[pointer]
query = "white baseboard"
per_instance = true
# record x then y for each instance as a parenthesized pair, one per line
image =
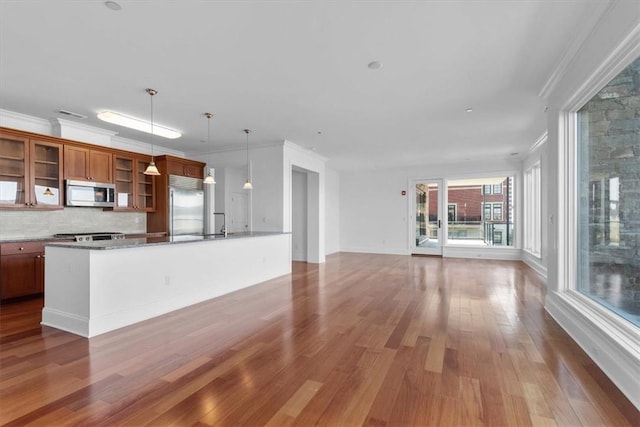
(65, 321)
(505, 254)
(383, 251)
(535, 264)
(616, 352)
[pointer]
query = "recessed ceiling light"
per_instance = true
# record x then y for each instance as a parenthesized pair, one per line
(138, 124)
(374, 65)
(112, 5)
(469, 110)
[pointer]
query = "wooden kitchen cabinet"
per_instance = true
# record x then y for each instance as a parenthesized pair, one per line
(134, 189)
(158, 220)
(183, 167)
(30, 172)
(21, 269)
(87, 164)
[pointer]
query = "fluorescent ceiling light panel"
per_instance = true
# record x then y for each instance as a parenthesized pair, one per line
(137, 124)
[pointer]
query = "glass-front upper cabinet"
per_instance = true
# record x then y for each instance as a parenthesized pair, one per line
(134, 189)
(145, 190)
(30, 173)
(46, 174)
(123, 176)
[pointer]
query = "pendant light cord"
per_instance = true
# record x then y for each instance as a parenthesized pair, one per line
(151, 92)
(247, 132)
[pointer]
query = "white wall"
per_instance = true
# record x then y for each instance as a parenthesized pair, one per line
(539, 153)
(374, 213)
(332, 211)
(612, 344)
(265, 170)
(297, 157)
(299, 216)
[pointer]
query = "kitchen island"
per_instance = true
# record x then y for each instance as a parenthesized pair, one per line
(96, 287)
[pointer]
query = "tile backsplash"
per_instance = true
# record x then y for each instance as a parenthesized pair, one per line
(32, 223)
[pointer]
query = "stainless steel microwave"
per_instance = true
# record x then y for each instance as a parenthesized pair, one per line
(89, 193)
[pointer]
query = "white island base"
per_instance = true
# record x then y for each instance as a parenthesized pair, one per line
(93, 288)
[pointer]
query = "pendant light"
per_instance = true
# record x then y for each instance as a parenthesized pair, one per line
(47, 192)
(151, 169)
(209, 178)
(247, 185)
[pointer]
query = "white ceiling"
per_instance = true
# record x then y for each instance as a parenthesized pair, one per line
(297, 70)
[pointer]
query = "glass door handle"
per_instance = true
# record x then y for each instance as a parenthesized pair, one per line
(439, 225)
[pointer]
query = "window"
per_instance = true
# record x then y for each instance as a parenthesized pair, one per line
(484, 209)
(451, 213)
(497, 211)
(532, 210)
(487, 211)
(608, 200)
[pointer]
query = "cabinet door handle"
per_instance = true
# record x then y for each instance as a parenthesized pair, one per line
(21, 249)
(38, 256)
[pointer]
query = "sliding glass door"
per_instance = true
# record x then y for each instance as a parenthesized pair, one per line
(426, 227)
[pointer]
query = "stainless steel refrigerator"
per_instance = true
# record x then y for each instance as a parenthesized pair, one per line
(186, 206)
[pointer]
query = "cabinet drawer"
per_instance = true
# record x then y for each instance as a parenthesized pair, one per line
(21, 248)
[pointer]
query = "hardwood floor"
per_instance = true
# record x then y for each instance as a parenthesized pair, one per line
(361, 340)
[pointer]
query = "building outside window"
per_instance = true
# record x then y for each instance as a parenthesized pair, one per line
(497, 211)
(451, 213)
(608, 193)
(485, 211)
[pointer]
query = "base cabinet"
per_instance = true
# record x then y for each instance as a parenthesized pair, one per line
(21, 269)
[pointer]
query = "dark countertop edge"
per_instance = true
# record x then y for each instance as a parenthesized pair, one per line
(66, 239)
(142, 242)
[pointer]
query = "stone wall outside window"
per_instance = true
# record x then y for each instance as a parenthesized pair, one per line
(609, 191)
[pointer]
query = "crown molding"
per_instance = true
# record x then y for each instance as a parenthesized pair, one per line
(143, 147)
(58, 122)
(23, 118)
(539, 142)
(601, 10)
(612, 65)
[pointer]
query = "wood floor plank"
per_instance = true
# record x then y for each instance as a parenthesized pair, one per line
(364, 339)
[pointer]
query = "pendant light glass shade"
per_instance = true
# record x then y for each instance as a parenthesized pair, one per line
(151, 169)
(247, 185)
(209, 178)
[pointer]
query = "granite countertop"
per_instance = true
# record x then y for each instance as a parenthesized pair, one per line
(164, 240)
(35, 239)
(67, 239)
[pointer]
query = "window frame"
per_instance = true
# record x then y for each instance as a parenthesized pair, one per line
(623, 332)
(496, 207)
(532, 199)
(487, 206)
